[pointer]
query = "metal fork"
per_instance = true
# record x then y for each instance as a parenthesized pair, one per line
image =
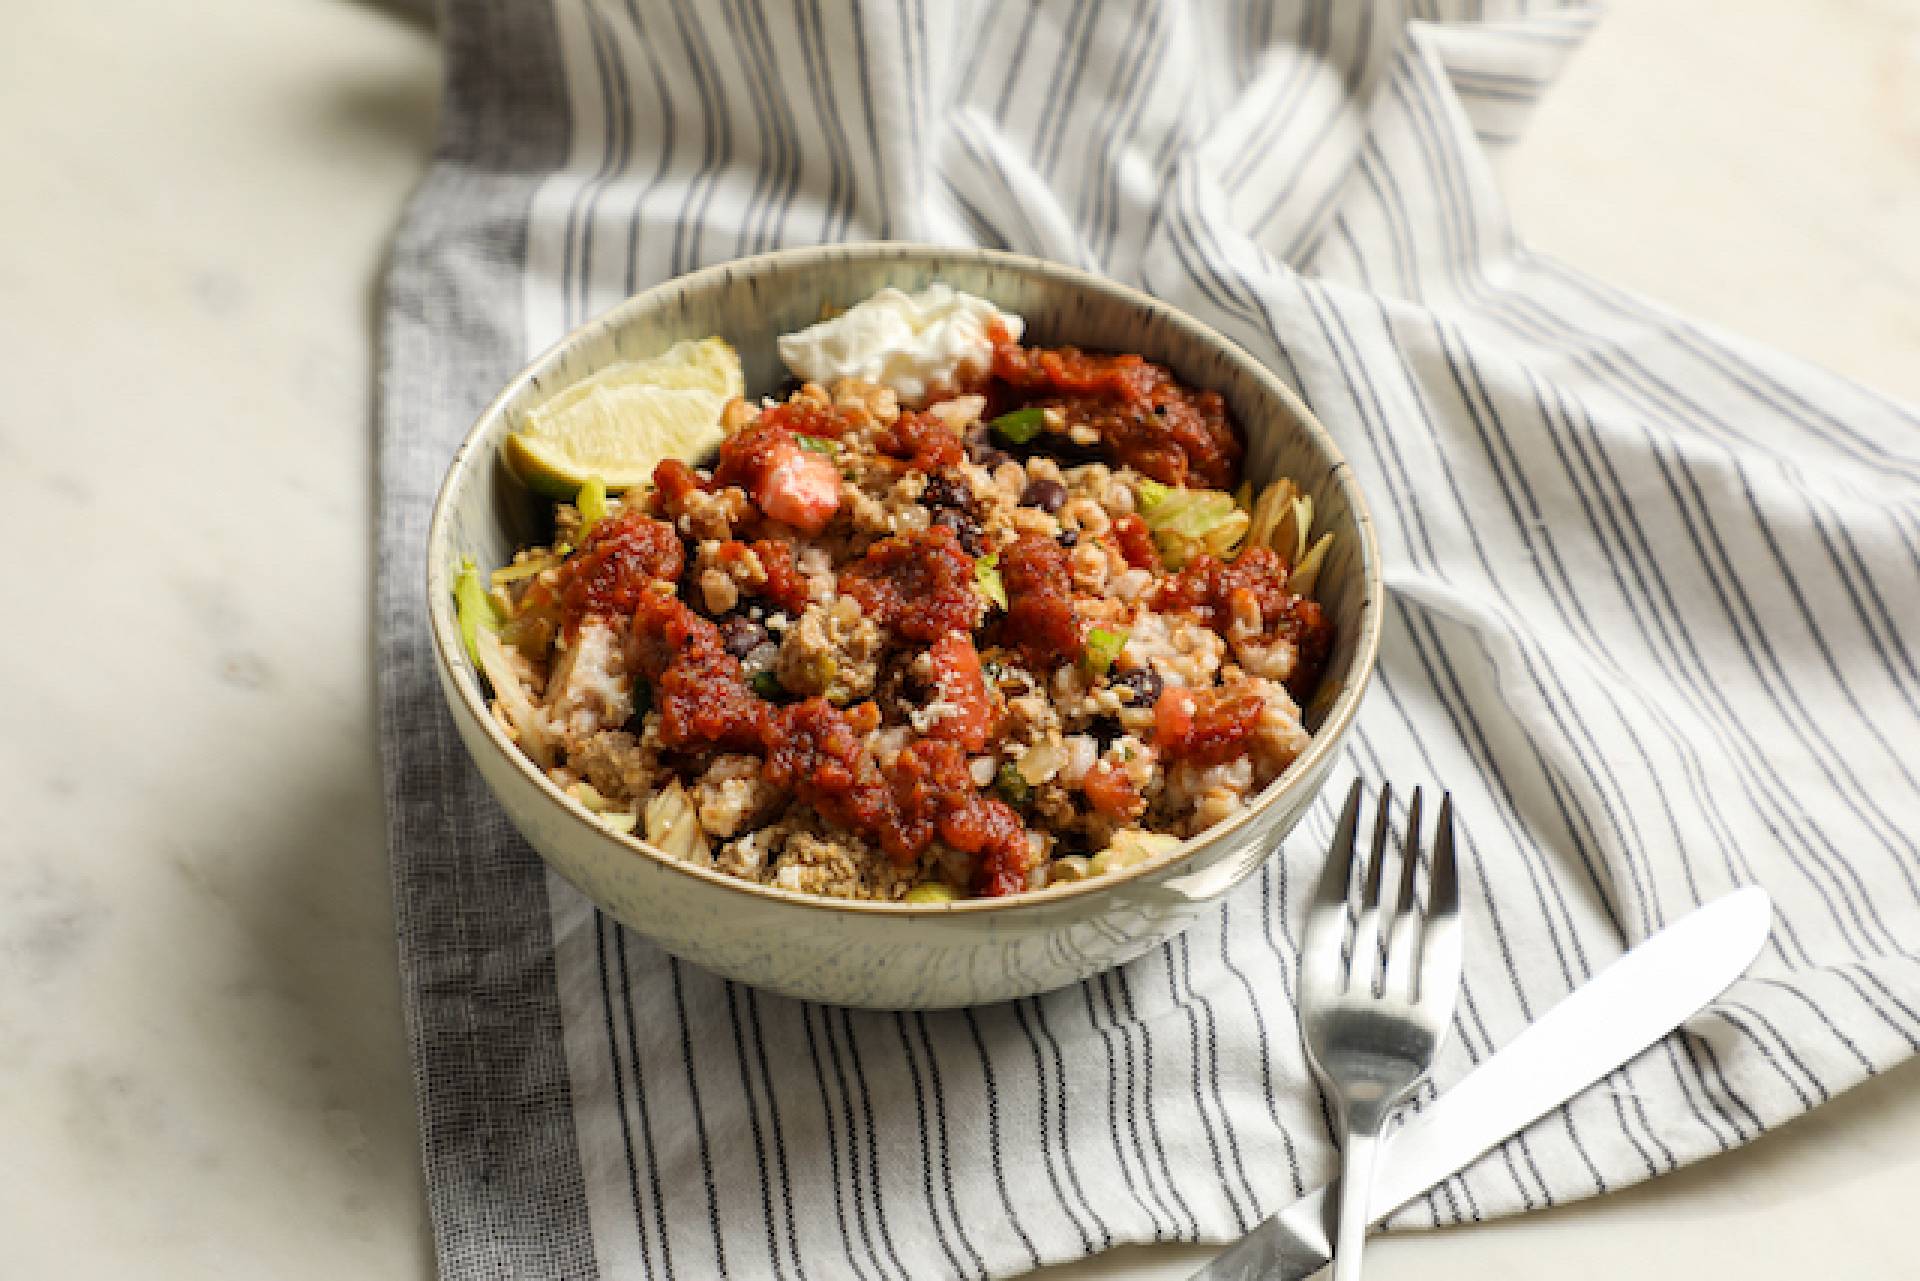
(1374, 1014)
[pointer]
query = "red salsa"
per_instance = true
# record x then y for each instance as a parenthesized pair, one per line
(814, 749)
(1040, 620)
(1145, 416)
(698, 687)
(1206, 726)
(1212, 590)
(918, 585)
(623, 556)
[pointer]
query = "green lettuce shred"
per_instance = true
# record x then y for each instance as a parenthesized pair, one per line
(1103, 648)
(986, 575)
(472, 606)
(592, 502)
(1185, 522)
(1189, 512)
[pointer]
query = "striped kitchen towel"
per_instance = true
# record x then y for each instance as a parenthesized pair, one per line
(1652, 619)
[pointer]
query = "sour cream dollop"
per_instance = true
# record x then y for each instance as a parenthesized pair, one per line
(918, 344)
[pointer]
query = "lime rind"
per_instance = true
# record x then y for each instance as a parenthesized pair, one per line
(622, 421)
(695, 364)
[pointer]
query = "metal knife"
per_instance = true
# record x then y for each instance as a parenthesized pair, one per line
(1618, 1013)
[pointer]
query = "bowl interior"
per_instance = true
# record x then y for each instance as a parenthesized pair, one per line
(482, 513)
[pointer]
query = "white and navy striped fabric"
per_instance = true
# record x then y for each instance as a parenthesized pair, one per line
(1652, 619)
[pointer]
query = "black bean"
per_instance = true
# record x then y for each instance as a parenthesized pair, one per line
(1069, 843)
(1145, 683)
(1069, 538)
(1048, 495)
(964, 527)
(981, 450)
(944, 491)
(742, 636)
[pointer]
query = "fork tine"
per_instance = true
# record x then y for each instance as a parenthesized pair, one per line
(1365, 965)
(1439, 973)
(1327, 917)
(1403, 934)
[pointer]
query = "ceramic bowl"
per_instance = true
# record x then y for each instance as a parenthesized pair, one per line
(885, 954)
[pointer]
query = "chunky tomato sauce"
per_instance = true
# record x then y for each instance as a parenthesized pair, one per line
(623, 556)
(962, 688)
(673, 483)
(1111, 792)
(813, 749)
(792, 485)
(1212, 590)
(807, 418)
(1144, 415)
(816, 750)
(919, 585)
(922, 441)
(1206, 726)
(1040, 621)
(1136, 543)
(698, 687)
(786, 586)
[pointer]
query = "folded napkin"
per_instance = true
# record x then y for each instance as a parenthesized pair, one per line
(1652, 619)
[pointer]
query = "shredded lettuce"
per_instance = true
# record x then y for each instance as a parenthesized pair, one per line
(1191, 512)
(1306, 575)
(592, 502)
(528, 722)
(1103, 648)
(674, 827)
(472, 607)
(590, 796)
(1269, 506)
(986, 575)
(1302, 528)
(1186, 522)
(528, 568)
(818, 444)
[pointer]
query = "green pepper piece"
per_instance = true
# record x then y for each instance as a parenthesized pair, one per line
(1103, 647)
(818, 444)
(1020, 426)
(767, 685)
(1011, 785)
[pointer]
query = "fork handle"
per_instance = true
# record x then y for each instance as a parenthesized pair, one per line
(1356, 1188)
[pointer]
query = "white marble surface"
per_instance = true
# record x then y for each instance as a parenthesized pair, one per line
(202, 1072)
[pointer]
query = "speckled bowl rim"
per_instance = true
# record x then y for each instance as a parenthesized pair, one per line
(1326, 739)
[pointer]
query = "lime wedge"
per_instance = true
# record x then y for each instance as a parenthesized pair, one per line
(621, 421)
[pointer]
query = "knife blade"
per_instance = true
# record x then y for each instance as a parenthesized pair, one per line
(1621, 1011)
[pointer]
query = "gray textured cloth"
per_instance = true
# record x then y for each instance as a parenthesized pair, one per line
(1651, 595)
